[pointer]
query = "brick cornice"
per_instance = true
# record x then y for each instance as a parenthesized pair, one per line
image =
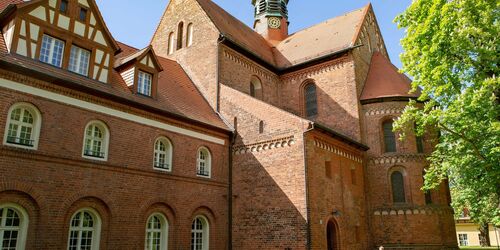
(397, 158)
(337, 150)
(389, 110)
(255, 68)
(412, 210)
(316, 69)
(264, 145)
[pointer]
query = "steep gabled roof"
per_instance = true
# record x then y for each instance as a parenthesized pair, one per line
(385, 81)
(177, 96)
(121, 61)
(334, 35)
(238, 32)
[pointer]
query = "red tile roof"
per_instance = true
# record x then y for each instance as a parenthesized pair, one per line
(238, 32)
(177, 95)
(322, 39)
(5, 3)
(384, 81)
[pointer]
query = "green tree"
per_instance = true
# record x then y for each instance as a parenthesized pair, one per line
(452, 51)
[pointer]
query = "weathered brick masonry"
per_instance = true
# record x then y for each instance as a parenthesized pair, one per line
(292, 124)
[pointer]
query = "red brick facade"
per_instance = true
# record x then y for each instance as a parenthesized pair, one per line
(278, 179)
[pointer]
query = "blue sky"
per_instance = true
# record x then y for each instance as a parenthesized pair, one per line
(134, 21)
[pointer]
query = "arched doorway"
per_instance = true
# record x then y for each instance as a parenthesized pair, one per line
(332, 235)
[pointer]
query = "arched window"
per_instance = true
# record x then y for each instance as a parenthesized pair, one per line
(180, 34)
(389, 137)
(85, 230)
(189, 35)
(398, 187)
(156, 233)
(96, 141)
(13, 227)
(170, 43)
(310, 100)
(163, 154)
(199, 234)
(256, 87)
(23, 126)
(204, 163)
(427, 193)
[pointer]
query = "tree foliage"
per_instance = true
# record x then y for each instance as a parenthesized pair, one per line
(452, 52)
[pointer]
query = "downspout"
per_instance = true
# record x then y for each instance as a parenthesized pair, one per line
(230, 193)
(308, 212)
(221, 39)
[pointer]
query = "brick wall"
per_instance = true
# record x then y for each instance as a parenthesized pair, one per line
(336, 192)
(202, 72)
(269, 209)
(54, 181)
(414, 222)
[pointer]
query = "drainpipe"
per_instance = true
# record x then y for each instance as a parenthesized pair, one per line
(308, 212)
(221, 39)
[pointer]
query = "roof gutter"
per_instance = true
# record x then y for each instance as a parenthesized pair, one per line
(341, 137)
(283, 70)
(46, 76)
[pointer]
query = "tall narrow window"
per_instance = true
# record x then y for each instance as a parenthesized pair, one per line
(256, 87)
(180, 34)
(63, 6)
(13, 228)
(23, 126)
(427, 193)
(420, 144)
(189, 34)
(84, 231)
(261, 127)
(398, 188)
(83, 14)
(144, 83)
(156, 233)
(79, 60)
(171, 47)
(163, 154)
(389, 137)
(199, 234)
(311, 100)
(204, 162)
(52, 51)
(96, 141)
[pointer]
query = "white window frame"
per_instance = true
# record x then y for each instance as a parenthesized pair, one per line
(105, 141)
(23, 225)
(51, 55)
(167, 153)
(207, 163)
(205, 233)
(142, 79)
(463, 240)
(37, 123)
(77, 64)
(163, 232)
(96, 230)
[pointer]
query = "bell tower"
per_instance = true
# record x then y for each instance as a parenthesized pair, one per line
(271, 19)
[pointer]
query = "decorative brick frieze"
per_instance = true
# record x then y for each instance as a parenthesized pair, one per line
(384, 111)
(252, 66)
(395, 159)
(336, 150)
(427, 210)
(265, 145)
(310, 72)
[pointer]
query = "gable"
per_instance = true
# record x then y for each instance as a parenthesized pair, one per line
(368, 33)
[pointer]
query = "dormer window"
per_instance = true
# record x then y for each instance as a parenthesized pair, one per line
(52, 51)
(144, 83)
(79, 60)
(63, 7)
(83, 14)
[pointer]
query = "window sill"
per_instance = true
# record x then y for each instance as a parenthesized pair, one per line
(95, 158)
(162, 170)
(15, 145)
(204, 176)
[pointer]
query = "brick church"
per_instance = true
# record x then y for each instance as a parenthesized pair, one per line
(215, 136)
